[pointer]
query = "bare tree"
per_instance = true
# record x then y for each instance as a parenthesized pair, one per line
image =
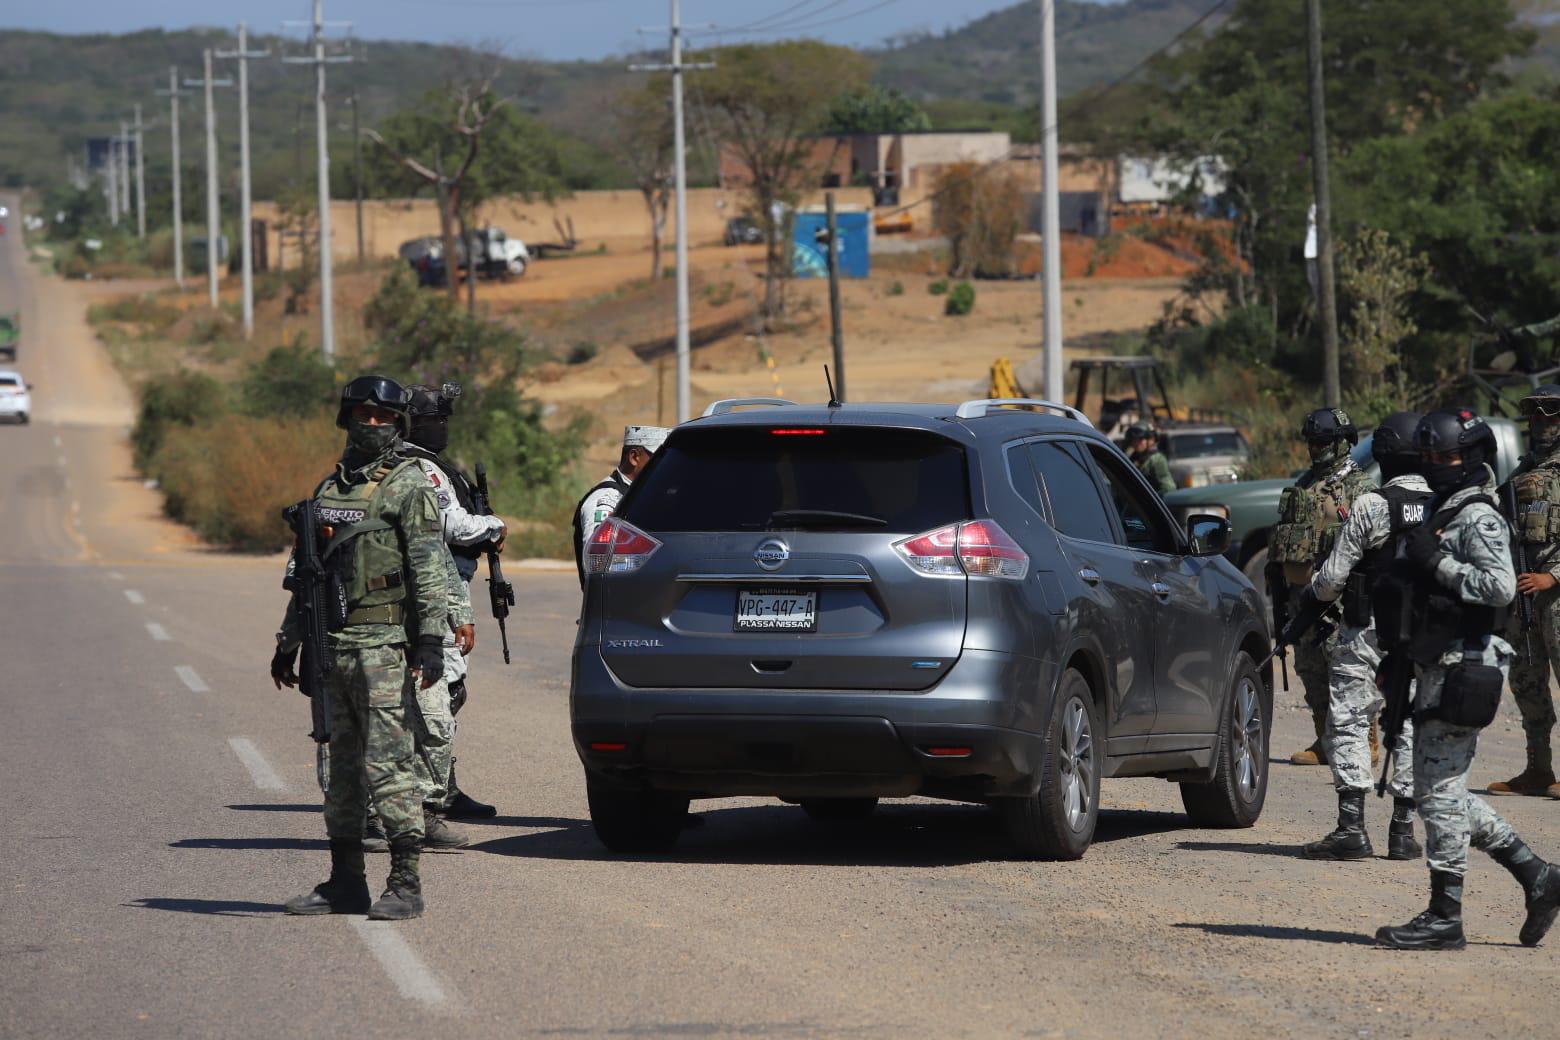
(639, 136)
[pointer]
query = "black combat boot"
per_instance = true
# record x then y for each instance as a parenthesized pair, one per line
(374, 839)
(465, 807)
(1437, 928)
(1400, 835)
(1540, 883)
(439, 836)
(402, 897)
(1349, 840)
(347, 890)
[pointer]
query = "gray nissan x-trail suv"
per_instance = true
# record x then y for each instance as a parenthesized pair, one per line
(832, 605)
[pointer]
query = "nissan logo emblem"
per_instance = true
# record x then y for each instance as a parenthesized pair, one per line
(771, 554)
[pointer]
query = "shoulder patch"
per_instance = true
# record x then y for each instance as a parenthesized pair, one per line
(433, 475)
(444, 499)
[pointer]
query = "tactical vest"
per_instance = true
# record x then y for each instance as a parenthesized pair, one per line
(1538, 505)
(1406, 510)
(613, 481)
(1309, 515)
(363, 551)
(466, 556)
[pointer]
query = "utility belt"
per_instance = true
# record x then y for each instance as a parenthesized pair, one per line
(342, 613)
(384, 614)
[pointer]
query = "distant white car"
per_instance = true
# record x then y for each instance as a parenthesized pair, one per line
(15, 399)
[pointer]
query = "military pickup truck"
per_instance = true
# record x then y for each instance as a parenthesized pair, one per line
(10, 335)
(1251, 506)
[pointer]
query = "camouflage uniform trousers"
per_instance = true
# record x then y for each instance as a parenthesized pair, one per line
(1355, 704)
(373, 752)
(1530, 673)
(1443, 755)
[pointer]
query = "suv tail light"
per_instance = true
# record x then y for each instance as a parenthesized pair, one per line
(616, 547)
(977, 547)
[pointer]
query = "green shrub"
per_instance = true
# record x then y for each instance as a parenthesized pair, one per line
(897, 288)
(178, 399)
(143, 310)
(938, 287)
(961, 300)
(288, 381)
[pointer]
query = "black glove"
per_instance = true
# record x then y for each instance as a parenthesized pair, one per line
(1422, 548)
(429, 659)
(284, 666)
(457, 696)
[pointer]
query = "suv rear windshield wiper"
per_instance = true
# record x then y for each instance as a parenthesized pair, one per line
(824, 518)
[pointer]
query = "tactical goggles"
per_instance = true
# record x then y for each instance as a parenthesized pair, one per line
(1548, 407)
(376, 390)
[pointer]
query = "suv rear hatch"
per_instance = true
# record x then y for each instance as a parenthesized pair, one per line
(777, 566)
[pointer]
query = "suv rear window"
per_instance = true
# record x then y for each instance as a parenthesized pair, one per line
(1195, 445)
(737, 478)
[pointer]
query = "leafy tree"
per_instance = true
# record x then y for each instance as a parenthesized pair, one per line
(875, 109)
(766, 102)
(640, 138)
(1377, 278)
(980, 212)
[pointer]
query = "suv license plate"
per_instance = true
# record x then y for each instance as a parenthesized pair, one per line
(776, 611)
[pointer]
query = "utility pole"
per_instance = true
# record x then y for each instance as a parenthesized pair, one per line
(113, 181)
(680, 166)
(357, 172)
(245, 221)
(124, 168)
(319, 61)
(174, 93)
(1050, 207)
(213, 206)
(1326, 300)
(140, 178)
(837, 334)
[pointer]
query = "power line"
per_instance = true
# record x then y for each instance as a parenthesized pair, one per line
(784, 12)
(801, 24)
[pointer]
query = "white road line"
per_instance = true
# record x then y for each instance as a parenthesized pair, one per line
(57, 442)
(192, 679)
(260, 770)
(134, 597)
(116, 575)
(60, 459)
(157, 632)
(400, 962)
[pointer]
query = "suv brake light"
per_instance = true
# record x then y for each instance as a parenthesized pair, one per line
(616, 547)
(976, 547)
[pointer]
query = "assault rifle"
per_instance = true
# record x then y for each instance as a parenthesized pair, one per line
(309, 585)
(1520, 558)
(1395, 680)
(1297, 626)
(500, 592)
(1278, 596)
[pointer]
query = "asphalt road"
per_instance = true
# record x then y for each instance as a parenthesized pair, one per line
(161, 804)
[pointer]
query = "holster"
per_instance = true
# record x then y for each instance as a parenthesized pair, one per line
(1356, 601)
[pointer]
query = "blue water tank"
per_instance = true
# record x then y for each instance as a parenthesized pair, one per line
(808, 259)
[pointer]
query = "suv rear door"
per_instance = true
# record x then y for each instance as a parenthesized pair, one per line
(825, 504)
(1113, 602)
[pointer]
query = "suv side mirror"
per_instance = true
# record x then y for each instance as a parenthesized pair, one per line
(1209, 535)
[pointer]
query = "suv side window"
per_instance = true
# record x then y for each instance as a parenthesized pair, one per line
(1069, 487)
(1145, 527)
(1022, 474)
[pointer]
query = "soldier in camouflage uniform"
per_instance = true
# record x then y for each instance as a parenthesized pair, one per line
(1537, 488)
(383, 549)
(1147, 457)
(1462, 578)
(1359, 558)
(1309, 516)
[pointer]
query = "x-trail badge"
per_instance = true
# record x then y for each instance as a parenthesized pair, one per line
(771, 554)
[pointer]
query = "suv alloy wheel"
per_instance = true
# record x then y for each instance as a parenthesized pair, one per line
(1058, 821)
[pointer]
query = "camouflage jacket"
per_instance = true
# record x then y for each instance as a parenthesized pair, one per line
(1367, 528)
(1537, 523)
(1156, 468)
(1310, 513)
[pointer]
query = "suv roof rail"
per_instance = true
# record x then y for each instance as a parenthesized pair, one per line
(733, 403)
(976, 409)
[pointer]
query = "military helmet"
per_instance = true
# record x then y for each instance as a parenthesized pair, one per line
(1459, 430)
(381, 391)
(1543, 401)
(424, 401)
(1139, 432)
(1329, 425)
(1394, 438)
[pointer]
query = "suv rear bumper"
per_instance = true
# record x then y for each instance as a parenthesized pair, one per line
(812, 743)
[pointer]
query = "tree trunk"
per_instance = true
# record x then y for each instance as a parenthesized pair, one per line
(447, 233)
(657, 228)
(471, 267)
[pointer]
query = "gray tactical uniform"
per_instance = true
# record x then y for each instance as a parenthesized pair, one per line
(1355, 701)
(1478, 569)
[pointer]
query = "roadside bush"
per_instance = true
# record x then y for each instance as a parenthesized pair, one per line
(961, 300)
(980, 211)
(897, 288)
(175, 400)
(288, 381)
(143, 310)
(939, 287)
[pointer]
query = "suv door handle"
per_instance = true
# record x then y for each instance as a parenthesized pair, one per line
(1161, 590)
(1089, 575)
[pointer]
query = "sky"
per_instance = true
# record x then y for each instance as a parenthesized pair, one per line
(551, 29)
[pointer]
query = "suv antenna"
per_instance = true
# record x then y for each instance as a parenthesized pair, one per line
(834, 399)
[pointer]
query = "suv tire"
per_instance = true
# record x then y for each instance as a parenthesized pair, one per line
(1234, 797)
(635, 819)
(838, 810)
(1058, 821)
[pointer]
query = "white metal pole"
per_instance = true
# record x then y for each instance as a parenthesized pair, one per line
(1050, 208)
(113, 181)
(684, 388)
(140, 178)
(178, 160)
(124, 168)
(213, 211)
(245, 236)
(327, 323)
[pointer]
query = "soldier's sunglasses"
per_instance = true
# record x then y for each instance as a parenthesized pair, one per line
(1548, 407)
